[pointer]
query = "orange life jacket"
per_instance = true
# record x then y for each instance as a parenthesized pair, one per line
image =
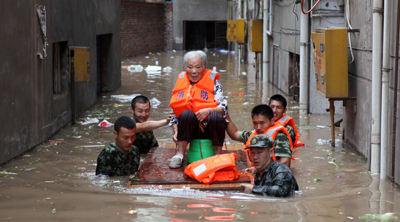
(285, 119)
(272, 131)
(215, 168)
(194, 97)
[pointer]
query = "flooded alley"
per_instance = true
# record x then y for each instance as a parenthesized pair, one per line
(56, 180)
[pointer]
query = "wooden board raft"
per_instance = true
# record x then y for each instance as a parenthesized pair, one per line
(155, 173)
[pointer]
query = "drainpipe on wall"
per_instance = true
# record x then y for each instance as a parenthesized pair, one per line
(238, 45)
(396, 76)
(376, 83)
(266, 33)
(385, 91)
(304, 32)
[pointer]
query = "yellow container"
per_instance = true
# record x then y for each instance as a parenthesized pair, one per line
(240, 31)
(231, 31)
(330, 60)
(256, 35)
(81, 64)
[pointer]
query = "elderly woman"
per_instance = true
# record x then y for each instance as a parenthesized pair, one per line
(199, 105)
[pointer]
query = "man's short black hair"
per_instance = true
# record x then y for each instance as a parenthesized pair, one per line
(125, 122)
(279, 98)
(264, 110)
(139, 99)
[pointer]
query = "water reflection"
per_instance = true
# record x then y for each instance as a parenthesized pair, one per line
(56, 180)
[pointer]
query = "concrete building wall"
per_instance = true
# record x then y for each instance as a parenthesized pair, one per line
(357, 118)
(195, 10)
(358, 113)
(31, 111)
(285, 37)
(144, 27)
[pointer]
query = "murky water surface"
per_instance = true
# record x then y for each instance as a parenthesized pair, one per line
(56, 181)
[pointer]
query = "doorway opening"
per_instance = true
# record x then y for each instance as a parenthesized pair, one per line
(200, 35)
(104, 61)
(294, 76)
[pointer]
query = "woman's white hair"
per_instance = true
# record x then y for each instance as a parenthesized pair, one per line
(193, 54)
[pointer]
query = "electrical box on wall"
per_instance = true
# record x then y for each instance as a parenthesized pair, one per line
(231, 31)
(81, 63)
(330, 59)
(240, 31)
(255, 35)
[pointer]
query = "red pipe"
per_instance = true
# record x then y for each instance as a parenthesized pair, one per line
(312, 8)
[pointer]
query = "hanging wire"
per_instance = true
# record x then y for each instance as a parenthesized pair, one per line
(294, 12)
(348, 34)
(312, 8)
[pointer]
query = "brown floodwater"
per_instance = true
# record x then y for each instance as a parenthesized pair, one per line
(56, 180)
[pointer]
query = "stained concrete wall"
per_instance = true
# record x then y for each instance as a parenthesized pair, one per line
(30, 112)
(358, 113)
(286, 37)
(195, 10)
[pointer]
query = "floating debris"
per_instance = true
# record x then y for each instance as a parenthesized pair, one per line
(118, 105)
(153, 70)
(90, 121)
(105, 123)
(29, 169)
(34, 161)
(381, 217)
(132, 212)
(155, 102)
(167, 69)
(135, 68)
(124, 98)
(55, 142)
(334, 163)
(5, 172)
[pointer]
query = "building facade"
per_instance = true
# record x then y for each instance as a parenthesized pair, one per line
(35, 64)
(357, 17)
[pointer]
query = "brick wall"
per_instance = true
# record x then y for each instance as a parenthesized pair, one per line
(168, 27)
(143, 27)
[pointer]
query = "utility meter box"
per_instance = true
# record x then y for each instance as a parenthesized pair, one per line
(81, 64)
(231, 31)
(330, 60)
(240, 31)
(256, 35)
